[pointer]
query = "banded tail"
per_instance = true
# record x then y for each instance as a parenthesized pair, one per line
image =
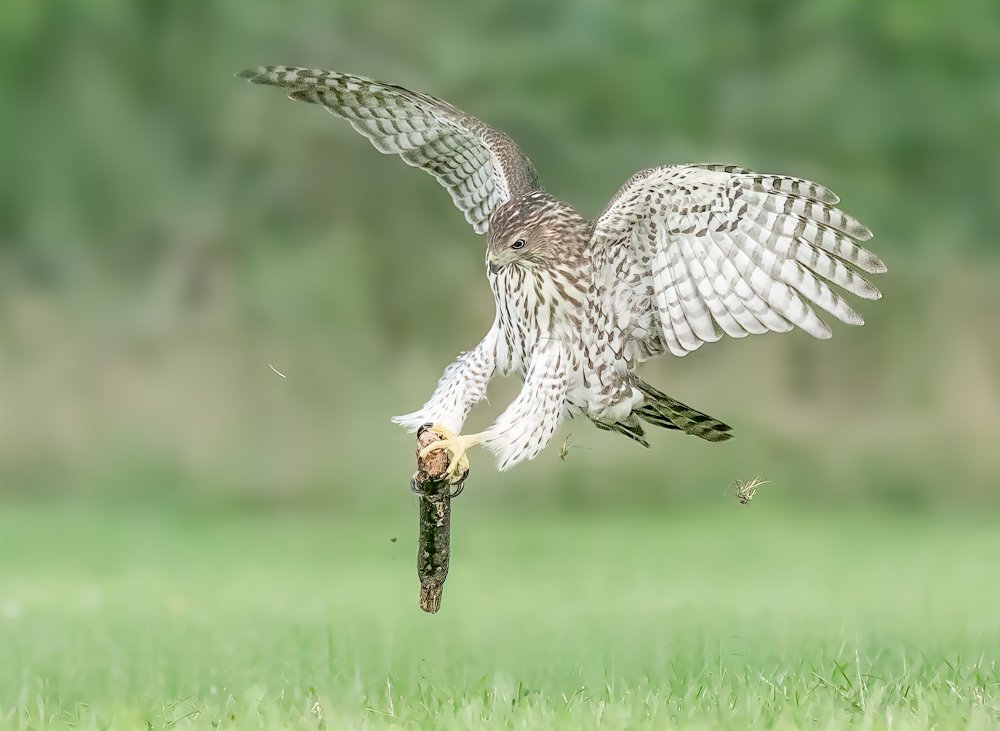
(669, 413)
(630, 427)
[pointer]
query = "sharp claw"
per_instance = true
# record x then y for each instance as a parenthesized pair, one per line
(434, 446)
(457, 469)
(456, 446)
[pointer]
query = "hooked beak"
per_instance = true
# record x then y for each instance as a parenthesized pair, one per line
(491, 262)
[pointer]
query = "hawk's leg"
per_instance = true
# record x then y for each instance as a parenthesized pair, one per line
(460, 388)
(456, 445)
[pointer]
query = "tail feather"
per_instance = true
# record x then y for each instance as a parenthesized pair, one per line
(630, 427)
(654, 417)
(669, 413)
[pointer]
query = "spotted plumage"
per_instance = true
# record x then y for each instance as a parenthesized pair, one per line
(682, 255)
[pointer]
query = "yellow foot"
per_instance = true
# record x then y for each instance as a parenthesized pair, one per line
(456, 446)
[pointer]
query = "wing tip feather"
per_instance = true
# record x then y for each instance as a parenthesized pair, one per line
(306, 94)
(869, 293)
(258, 74)
(860, 232)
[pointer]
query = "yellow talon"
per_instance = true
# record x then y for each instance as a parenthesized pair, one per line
(456, 445)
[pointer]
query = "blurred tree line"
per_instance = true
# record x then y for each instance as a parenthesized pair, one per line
(166, 232)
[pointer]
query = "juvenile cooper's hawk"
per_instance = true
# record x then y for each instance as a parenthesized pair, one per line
(682, 255)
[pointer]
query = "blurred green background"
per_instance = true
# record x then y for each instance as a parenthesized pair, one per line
(167, 232)
(189, 540)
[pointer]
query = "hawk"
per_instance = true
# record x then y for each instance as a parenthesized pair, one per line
(682, 255)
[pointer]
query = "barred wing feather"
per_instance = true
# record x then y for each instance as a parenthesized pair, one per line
(480, 167)
(691, 252)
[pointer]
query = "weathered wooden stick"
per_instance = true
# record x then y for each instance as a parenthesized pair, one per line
(434, 540)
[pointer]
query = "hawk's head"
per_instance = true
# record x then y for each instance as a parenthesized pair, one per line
(534, 230)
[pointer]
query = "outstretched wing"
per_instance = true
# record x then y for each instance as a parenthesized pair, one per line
(688, 253)
(480, 167)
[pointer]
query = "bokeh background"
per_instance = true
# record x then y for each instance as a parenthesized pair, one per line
(168, 232)
(190, 540)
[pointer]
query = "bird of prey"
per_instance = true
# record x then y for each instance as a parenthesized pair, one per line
(682, 255)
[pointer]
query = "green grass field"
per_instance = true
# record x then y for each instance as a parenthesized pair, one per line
(726, 618)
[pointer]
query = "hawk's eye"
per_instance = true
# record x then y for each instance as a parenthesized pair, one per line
(519, 244)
